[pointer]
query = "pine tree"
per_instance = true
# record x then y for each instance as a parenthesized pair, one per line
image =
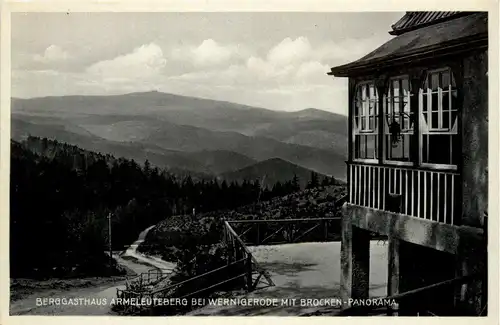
(295, 183)
(314, 182)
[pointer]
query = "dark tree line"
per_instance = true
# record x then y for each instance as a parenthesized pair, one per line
(60, 196)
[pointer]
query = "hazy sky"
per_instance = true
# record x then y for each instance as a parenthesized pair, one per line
(272, 60)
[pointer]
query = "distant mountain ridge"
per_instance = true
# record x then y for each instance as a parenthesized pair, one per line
(184, 132)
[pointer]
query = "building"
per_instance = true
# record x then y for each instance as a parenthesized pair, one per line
(418, 162)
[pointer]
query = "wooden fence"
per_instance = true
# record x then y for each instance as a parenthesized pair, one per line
(241, 272)
(426, 194)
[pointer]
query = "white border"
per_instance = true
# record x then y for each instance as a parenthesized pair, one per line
(245, 6)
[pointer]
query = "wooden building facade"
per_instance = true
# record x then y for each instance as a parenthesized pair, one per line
(418, 156)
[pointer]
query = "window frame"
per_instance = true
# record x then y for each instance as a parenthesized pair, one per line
(362, 131)
(385, 108)
(439, 130)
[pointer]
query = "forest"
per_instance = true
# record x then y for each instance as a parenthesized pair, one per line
(61, 196)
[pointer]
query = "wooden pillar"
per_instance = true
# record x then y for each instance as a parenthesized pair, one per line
(393, 271)
(393, 260)
(393, 267)
(381, 85)
(249, 273)
(355, 261)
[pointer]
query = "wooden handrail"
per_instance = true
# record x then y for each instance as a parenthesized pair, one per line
(247, 251)
(282, 220)
(235, 235)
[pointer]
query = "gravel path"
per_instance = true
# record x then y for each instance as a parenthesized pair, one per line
(98, 296)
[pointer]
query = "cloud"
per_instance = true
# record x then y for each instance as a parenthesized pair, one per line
(143, 62)
(53, 53)
(289, 51)
(290, 74)
(208, 53)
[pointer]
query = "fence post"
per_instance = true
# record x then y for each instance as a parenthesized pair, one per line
(258, 234)
(229, 247)
(325, 225)
(393, 310)
(249, 272)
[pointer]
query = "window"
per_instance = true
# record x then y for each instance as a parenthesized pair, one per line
(439, 119)
(398, 121)
(365, 125)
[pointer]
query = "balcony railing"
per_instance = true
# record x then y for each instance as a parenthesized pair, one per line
(426, 194)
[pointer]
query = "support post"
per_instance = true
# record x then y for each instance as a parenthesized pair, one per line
(249, 273)
(393, 272)
(109, 237)
(355, 261)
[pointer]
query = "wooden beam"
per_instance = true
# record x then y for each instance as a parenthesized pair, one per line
(282, 220)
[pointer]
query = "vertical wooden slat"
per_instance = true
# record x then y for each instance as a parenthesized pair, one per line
(383, 189)
(412, 193)
(369, 185)
(419, 202)
(432, 196)
(425, 196)
(445, 198)
(360, 188)
(361, 184)
(452, 215)
(379, 187)
(374, 184)
(350, 183)
(393, 174)
(406, 191)
(400, 182)
(365, 194)
(355, 189)
(438, 215)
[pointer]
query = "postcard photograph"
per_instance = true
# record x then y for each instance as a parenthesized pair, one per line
(249, 163)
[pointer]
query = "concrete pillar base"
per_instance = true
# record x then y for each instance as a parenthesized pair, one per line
(355, 262)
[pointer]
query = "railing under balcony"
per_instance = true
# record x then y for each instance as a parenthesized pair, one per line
(427, 194)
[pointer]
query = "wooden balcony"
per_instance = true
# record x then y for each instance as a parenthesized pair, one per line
(422, 193)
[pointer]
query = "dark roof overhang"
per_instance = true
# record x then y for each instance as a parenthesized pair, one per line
(417, 19)
(451, 37)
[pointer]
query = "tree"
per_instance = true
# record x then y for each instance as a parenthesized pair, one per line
(314, 182)
(295, 183)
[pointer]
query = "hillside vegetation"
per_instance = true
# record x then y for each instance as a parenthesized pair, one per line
(171, 237)
(61, 195)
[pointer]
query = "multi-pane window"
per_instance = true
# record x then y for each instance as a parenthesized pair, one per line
(398, 121)
(439, 119)
(365, 124)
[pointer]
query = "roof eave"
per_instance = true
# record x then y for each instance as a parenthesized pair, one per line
(397, 32)
(439, 50)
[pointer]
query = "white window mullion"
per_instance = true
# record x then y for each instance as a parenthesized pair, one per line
(440, 107)
(429, 107)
